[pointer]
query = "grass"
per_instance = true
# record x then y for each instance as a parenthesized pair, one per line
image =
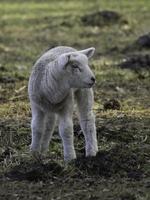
(121, 169)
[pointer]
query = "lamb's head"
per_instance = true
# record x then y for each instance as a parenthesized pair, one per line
(76, 69)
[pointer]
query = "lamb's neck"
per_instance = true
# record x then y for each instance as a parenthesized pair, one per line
(56, 87)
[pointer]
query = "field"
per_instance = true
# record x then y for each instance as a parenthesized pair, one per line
(119, 30)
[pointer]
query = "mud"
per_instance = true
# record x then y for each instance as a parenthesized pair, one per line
(103, 18)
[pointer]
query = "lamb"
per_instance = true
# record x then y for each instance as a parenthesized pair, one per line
(60, 78)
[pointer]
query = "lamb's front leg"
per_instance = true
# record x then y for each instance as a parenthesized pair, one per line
(87, 123)
(87, 120)
(66, 133)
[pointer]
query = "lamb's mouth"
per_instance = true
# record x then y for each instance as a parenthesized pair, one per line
(89, 84)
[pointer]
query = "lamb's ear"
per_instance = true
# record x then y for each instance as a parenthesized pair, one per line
(63, 60)
(88, 52)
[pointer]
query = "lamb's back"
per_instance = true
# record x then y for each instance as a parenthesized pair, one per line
(52, 54)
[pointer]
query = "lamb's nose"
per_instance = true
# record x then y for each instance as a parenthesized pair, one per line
(93, 79)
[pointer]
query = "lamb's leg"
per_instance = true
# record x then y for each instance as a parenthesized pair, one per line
(50, 120)
(87, 120)
(66, 133)
(37, 127)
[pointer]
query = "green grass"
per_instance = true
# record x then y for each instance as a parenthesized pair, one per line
(121, 169)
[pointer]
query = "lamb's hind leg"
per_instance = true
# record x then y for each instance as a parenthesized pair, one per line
(50, 120)
(37, 127)
(87, 120)
(66, 132)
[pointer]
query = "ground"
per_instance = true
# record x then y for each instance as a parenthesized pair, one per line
(119, 30)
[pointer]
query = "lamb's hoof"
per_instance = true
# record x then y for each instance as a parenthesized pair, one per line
(70, 158)
(91, 153)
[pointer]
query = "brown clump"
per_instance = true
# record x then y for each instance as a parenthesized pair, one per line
(112, 104)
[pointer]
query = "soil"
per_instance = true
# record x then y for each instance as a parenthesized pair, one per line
(106, 164)
(102, 18)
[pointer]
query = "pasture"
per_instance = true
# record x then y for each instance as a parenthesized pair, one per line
(119, 30)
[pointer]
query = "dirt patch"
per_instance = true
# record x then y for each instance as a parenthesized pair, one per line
(33, 171)
(136, 62)
(116, 161)
(102, 18)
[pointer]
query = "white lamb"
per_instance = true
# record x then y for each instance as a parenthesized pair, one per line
(61, 77)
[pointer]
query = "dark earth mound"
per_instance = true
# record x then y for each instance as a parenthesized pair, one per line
(102, 18)
(136, 62)
(143, 41)
(112, 162)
